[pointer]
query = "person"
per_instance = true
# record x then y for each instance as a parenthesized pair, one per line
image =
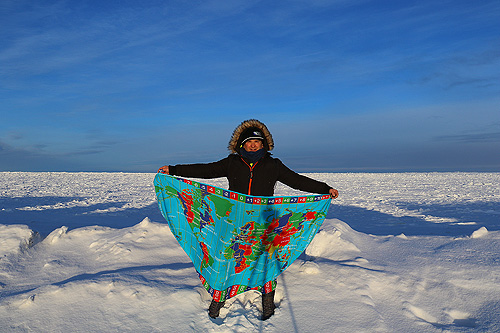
(250, 169)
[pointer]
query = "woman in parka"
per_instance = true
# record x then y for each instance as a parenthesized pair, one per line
(251, 170)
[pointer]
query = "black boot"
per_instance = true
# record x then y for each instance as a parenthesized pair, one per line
(268, 305)
(214, 308)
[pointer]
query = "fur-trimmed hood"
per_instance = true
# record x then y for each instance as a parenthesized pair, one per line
(235, 141)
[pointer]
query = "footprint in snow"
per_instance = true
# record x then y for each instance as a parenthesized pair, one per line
(421, 314)
(459, 318)
(309, 267)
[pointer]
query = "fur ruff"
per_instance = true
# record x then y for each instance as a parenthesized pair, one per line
(235, 138)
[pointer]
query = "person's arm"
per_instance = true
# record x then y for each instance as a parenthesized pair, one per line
(303, 183)
(199, 170)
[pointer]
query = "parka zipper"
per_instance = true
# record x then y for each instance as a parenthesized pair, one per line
(251, 174)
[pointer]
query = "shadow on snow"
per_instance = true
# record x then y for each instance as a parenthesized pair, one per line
(136, 271)
(46, 220)
(471, 215)
(466, 218)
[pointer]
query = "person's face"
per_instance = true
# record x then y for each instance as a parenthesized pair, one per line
(253, 145)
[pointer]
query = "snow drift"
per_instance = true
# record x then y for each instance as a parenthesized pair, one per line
(397, 253)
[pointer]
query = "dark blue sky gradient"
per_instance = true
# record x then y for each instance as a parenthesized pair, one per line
(342, 85)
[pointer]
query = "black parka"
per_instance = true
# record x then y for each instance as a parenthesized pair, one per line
(259, 179)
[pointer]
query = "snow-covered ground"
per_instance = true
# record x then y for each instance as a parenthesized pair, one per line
(409, 252)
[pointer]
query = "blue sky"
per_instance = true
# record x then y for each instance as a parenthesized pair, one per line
(342, 85)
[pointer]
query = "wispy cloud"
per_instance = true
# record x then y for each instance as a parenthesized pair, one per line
(20, 159)
(471, 138)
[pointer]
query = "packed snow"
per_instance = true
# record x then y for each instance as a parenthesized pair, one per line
(406, 252)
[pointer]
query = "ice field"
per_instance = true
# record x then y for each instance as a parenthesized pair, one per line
(398, 252)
